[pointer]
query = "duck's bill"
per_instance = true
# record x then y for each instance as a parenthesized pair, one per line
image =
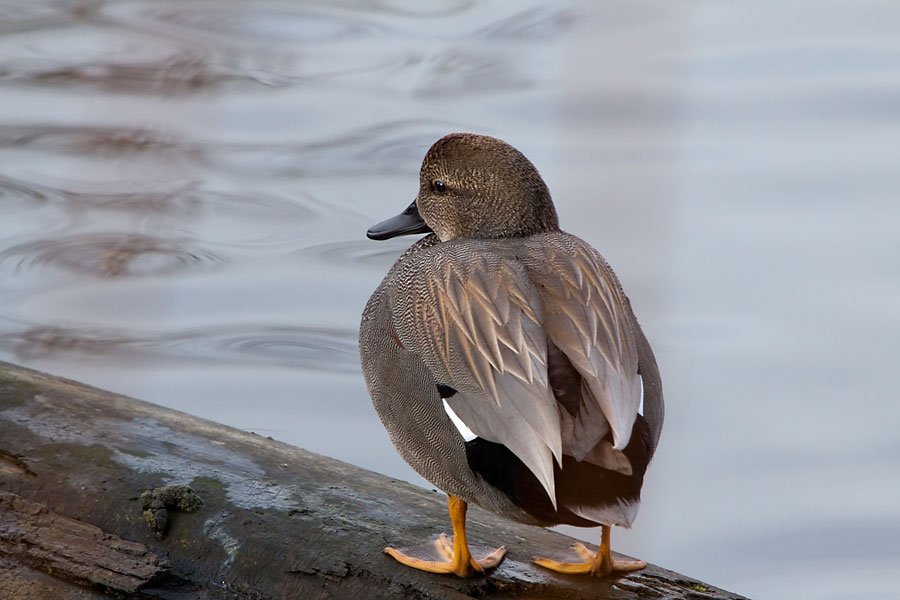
(408, 222)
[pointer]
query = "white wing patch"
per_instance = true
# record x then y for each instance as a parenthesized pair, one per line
(467, 434)
(641, 405)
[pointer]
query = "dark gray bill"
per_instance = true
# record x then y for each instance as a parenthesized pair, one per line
(406, 223)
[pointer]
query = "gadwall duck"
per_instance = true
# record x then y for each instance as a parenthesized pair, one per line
(504, 359)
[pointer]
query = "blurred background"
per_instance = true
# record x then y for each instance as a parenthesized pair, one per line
(185, 188)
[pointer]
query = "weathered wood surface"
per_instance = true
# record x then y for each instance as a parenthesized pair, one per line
(275, 521)
(71, 549)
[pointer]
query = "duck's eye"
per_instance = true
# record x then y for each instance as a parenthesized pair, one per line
(439, 186)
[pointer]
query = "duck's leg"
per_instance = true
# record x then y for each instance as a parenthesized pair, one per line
(598, 564)
(459, 560)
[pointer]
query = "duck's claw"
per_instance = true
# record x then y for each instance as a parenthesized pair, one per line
(461, 564)
(593, 567)
(598, 564)
(457, 557)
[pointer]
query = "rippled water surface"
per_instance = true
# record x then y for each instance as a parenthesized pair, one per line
(185, 187)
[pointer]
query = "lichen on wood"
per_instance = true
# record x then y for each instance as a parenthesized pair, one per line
(158, 502)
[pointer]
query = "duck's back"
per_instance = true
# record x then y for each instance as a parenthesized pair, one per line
(534, 344)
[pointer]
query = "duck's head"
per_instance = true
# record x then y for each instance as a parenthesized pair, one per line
(475, 186)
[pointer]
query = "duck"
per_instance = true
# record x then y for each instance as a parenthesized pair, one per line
(505, 361)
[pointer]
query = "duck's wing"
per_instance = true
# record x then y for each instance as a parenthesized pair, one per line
(588, 318)
(654, 406)
(475, 318)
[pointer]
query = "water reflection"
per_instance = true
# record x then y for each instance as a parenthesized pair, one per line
(185, 188)
(355, 252)
(13, 190)
(185, 201)
(318, 349)
(103, 141)
(383, 149)
(533, 24)
(234, 23)
(108, 255)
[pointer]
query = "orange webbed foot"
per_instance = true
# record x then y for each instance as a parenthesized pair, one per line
(598, 564)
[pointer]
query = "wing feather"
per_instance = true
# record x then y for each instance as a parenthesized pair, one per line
(586, 317)
(484, 313)
(479, 329)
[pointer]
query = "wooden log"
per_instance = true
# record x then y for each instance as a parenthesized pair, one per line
(112, 496)
(71, 549)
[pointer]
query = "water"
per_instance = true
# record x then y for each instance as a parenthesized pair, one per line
(185, 186)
